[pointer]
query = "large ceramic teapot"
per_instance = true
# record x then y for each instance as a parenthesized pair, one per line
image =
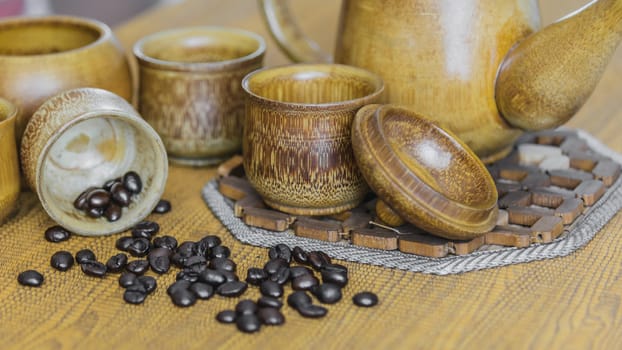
(474, 66)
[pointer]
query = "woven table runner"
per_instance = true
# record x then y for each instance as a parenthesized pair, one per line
(579, 234)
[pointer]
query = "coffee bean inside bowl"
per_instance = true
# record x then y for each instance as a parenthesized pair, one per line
(110, 199)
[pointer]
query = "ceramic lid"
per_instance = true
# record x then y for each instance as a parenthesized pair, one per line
(424, 172)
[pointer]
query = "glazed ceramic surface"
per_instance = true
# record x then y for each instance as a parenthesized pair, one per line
(190, 89)
(85, 137)
(297, 149)
(440, 58)
(43, 56)
(9, 165)
(424, 173)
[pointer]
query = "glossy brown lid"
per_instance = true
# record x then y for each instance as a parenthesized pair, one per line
(424, 172)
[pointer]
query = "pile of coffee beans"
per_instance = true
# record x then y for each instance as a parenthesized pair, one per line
(109, 200)
(205, 269)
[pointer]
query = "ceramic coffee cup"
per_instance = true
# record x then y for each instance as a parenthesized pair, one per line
(190, 91)
(297, 148)
(43, 56)
(82, 138)
(9, 166)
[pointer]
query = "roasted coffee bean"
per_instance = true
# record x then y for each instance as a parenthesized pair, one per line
(95, 212)
(195, 260)
(312, 311)
(178, 260)
(183, 298)
(81, 203)
(224, 264)
(160, 264)
(165, 242)
(211, 241)
(30, 278)
(98, 198)
(230, 276)
(265, 301)
(226, 316)
(186, 249)
(304, 282)
(202, 290)
(299, 255)
(188, 275)
(246, 307)
(297, 271)
(93, 268)
(248, 323)
(327, 293)
(232, 289)
(85, 255)
(255, 276)
(219, 251)
(335, 276)
(212, 277)
(116, 263)
(316, 259)
(365, 299)
(335, 267)
(120, 194)
(157, 252)
(139, 247)
(149, 283)
(132, 182)
(281, 276)
(62, 260)
(162, 207)
(57, 234)
(108, 184)
(113, 212)
(271, 289)
(127, 279)
(138, 267)
(270, 316)
(177, 286)
(325, 257)
(145, 229)
(298, 299)
(123, 243)
(274, 265)
(280, 251)
(132, 296)
(138, 287)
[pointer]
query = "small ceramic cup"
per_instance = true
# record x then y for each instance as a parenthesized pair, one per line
(297, 149)
(82, 138)
(43, 56)
(189, 89)
(9, 165)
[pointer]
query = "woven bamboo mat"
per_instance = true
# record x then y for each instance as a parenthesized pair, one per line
(567, 302)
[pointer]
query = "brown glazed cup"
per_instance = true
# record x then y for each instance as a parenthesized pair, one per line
(82, 138)
(297, 148)
(9, 165)
(190, 92)
(43, 56)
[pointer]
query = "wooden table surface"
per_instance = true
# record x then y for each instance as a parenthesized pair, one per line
(563, 303)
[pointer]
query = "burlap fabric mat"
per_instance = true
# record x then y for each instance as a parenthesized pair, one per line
(560, 303)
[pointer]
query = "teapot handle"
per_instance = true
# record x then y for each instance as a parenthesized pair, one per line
(288, 35)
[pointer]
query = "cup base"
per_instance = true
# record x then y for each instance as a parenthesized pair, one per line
(197, 162)
(311, 211)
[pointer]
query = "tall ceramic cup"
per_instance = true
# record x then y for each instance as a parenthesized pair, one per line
(9, 168)
(190, 92)
(297, 149)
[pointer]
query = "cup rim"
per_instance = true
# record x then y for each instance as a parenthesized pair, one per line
(12, 111)
(359, 101)
(102, 29)
(149, 61)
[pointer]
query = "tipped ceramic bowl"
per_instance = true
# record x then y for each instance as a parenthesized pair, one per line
(43, 56)
(82, 138)
(424, 172)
